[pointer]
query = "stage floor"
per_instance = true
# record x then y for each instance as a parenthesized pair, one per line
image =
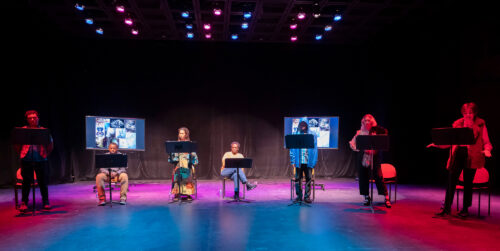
(334, 222)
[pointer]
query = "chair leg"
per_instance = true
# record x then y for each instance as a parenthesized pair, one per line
(16, 197)
(458, 198)
(395, 191)
(489, 199)
(314, 189)
(479, 204)
(390, 191)
(223, 188)
(291, 189)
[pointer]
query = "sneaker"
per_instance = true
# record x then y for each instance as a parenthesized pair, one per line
(308, 200)
(46, 206)
(464, 213)
(23, 208)
(443, 212)
(102, 203)
(298, 199)
(367, 201)
(236, 195)
(123, 202)
(251, 186)
(388, 203)
(176, 198)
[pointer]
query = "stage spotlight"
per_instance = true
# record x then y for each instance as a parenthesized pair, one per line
(247, 15)
(316, 10)
(189, 26)
(318, 37)
(217, 11)
(234, 36)
(244, 25)
(99, 31)
(301, 15)
(207, 26)
(293, 38)
(135, 32)
(208, 35)
(190, 35)
(89, 21)
(80, 7)
(120, 8)
(337, 17)
(328, 28)
(293, 26)
(128, 21)
(185, 14)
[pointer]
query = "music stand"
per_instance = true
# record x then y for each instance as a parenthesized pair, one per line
(452, 136)
(238, 163)
(111, 161)
(31, 136)
(181, 147)
(299, 141)
(372, 142)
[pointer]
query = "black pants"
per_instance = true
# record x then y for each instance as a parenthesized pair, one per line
(459, 163)
(299, 171)
(364, 179)
(42, 174)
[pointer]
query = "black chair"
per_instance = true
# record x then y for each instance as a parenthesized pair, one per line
(480, 183)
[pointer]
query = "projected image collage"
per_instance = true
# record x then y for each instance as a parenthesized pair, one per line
(120, 131)
(318, 126)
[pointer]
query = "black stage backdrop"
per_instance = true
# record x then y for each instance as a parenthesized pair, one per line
(411, 82)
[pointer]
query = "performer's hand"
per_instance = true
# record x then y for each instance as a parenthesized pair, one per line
(113, 174)
(431, 145)
(293, 165)
(487, 153)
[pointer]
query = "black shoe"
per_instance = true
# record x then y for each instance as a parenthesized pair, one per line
(24, 207)
(464, 213)
(298, 199)
(443, 212)
(308, 200)
(236, 195)
(250, 186)
(388, 203)
(46, 206)
(367, 201)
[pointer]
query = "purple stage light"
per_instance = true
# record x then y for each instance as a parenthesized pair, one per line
(135, 32)
(207, 26)
(301, 15)
(129, 21)
(293, 38)
(120, 8)
(217, 12)
(293, 26)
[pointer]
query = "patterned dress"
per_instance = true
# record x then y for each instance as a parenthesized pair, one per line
(183, 172)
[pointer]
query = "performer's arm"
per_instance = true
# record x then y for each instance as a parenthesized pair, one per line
(487, 144)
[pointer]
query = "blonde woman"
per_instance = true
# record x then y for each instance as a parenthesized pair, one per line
(363, 161)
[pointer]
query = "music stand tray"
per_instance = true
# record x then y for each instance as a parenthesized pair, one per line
(111, 161)
(30, 136)
(299, 141)
(238, 163)
(372, 142)
(452, 136)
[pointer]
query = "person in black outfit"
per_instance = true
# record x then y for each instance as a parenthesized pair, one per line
(364, 158)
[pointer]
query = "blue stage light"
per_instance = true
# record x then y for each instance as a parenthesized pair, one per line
(190, 35)
(328, 28)
(185, 14)
(247, 15)
(80, 7)
(318, 37)
(189, 26)
(99, 31)
(337, 17)
(89, 21)
(244, 25)
(234, 36)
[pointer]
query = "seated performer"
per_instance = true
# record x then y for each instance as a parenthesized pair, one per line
(231, 172)
(183, 171)
(303, 161)
(364, 158)
(34, 160)
(466, 158)
(104, 175)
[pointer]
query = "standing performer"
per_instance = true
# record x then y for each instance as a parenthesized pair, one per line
(34, 157)
(364, 158)
(231, 172)
(184, 168)
(303, 161)
(466, 157)
(104, 175)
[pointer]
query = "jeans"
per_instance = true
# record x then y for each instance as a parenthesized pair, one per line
(231, 173)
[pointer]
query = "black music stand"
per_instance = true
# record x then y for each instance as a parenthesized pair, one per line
(238, 163)
(181, 147)
(452, 136)
(372, 142)
(31, 136)
(111, 161)
(299, 141)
